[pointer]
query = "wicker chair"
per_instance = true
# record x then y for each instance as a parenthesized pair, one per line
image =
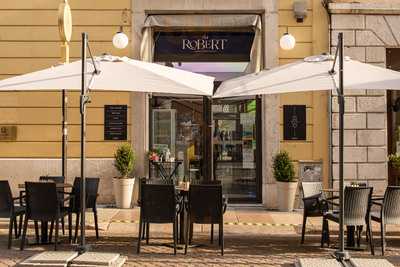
(315, 204)
(158, 204)
(205, 206)
(357, 202)
(8, 209)
(389, 213)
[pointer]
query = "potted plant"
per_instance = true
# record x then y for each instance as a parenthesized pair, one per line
(124, 162)
(394, 165)
(287, 185)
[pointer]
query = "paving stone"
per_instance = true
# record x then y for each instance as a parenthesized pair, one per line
(50, 258)
(357, 262)
(318, 263)
(95, 259)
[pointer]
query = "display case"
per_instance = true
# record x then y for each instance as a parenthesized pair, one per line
(164, 127)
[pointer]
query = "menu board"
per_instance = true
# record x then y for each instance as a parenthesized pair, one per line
(115, 122)
(295, 125)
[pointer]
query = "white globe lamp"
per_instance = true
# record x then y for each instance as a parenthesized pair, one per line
(120, 40)
(287, 41)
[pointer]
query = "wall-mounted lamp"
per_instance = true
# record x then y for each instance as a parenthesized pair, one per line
(300, 10)
(120, 40)
(287, 41)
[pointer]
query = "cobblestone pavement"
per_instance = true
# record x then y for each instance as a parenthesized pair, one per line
(253, 237)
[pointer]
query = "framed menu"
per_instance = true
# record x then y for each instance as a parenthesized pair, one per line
(115, 122)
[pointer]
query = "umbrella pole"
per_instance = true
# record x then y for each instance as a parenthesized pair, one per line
(83, 100)
(341, 254)
(64, 135)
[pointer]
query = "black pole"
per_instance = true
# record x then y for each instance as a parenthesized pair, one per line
(83, 99)
(64, 135)
(208, 158)
(341, 254)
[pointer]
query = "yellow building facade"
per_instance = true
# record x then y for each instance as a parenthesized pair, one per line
(29, 41)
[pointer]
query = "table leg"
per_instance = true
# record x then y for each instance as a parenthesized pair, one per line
(44, 232)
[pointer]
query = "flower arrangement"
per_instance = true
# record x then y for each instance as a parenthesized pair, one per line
(153, 154)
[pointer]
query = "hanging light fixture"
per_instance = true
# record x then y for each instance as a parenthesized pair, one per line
(287, 41)
(120, 39)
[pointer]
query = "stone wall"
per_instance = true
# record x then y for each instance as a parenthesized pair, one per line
(365, 39)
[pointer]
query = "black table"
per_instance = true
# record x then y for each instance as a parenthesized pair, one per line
(162, 170)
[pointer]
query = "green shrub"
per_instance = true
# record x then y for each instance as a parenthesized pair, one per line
(283, 167)
(394, 160)
(124, 160)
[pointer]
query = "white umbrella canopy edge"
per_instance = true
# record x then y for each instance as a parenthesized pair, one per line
(302, 76)
(116, 74)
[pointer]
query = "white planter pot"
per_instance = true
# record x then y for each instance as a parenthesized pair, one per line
(286, 195)
(123, 189)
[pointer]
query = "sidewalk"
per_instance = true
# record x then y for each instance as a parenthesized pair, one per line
(253, 237)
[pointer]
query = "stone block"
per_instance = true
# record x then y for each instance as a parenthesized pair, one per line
(371, 104)
(367, 38)
(351, 154)
(350, 137)
(381, 29)
(348, 21)
(348, 37)
(371, 137)
(377, 154)
(378, 185)
(375, 54)
(376, 92)
(351, 121)
(354, 52)
(349, 104)
(368, 171)
(376, 120)
(394, 23)
(349, 171)
(356, 92)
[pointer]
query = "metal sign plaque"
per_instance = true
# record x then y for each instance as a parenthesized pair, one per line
(194, 46)
(8, 133)
(115, 122)
(295, 125)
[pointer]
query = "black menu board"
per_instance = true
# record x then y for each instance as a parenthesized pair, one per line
(295, 125)
(115, 122)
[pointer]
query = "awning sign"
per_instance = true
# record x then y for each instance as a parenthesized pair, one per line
(203, 46)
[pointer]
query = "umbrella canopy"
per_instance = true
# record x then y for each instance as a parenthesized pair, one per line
(310, 74)
(116, 74)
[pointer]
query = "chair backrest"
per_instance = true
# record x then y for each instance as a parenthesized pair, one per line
(356, 204)
(158, 203)
(6, 201)
(92, 188)
(56, 179)
(205, 203)
(42, 202)
(205, 182)
(391, 207)
(311, 188)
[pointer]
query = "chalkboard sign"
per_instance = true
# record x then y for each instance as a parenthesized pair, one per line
(294, 117)
(115, 122)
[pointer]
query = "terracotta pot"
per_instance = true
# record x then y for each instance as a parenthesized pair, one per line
(123, 189)
(286, 195)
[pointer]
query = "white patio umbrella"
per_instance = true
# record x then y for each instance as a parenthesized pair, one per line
(317, 73)
(110, 74)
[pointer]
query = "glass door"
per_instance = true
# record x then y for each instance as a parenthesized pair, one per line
(235, 154)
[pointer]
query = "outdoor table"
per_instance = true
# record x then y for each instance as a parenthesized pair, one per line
(160, 166)
(350, 242)
(44, 225)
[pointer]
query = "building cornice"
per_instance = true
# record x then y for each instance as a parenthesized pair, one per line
(364, 8)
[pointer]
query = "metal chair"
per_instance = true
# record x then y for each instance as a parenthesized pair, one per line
(42, 204)
(389, 212)
(92, 188)
(8, 209)
(205, 206)
(57, 180)
(314, 202)
(158, 204)
(356, 213)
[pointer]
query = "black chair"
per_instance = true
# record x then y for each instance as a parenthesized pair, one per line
(225, 204)
(356, 213)
(158, 204)
(57, 180)
(389, 212)
(92, 188)
(8, 209)
(42, 204)
(206, 206)
(314, 203)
